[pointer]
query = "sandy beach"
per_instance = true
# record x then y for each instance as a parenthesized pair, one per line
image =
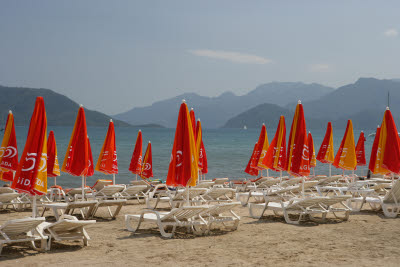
(367, 239)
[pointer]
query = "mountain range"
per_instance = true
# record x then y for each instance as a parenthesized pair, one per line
(216, 111)
(60, 110)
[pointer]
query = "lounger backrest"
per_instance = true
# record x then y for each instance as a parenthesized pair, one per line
(329, 180)
(7, 197)
(135, 189)
(215, 192)
(393, 195)
(110, 190)
(268, 182)
(101, 183)
(306, 203)
(220, 180)
(20, 226)
(65, 225)
(335, 199)
(80, 204)
(205, 185)
(219, 209)
(292, 181)
(140, 182)
(4, 190)
(184, 213)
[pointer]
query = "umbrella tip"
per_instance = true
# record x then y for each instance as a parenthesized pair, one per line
(387, 108)
(362, 131)
(111, 120)
(309, 131)
(80, 105)
(198, 119)
(10, 112)
(298, 101)
(263, 123)
(183, 101)
(140, 130)
(191, 108)
(149, 142)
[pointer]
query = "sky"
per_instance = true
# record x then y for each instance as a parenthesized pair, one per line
(112, 56)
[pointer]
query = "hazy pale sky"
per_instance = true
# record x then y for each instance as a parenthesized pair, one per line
(115, 55)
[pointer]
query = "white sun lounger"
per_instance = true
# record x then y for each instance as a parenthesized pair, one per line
(217, 194)
(85, 208)
(22, 230)
(135, 191)
(118, 203)
(175, 198)
(7, 199)
(107, 192)
(216, 214)
(66, 228)
(183, 216)
(4, 190)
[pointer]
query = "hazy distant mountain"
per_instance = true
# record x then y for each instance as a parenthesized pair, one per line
(364, 102)
(60, 110)
(215, 111)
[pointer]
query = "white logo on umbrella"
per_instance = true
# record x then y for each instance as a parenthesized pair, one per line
(10, 152)
(2, 151)
(179, 158)
(30, 157)
(43, 162)
(147, 166)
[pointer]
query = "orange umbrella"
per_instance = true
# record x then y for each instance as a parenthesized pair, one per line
(183, 167)
(147, 166)
(345, 158)
(203, 166)
(298, 163)
(198, 134)
(275, 158)
(262, 148)
(326, 151)
(107, 162)
(360, 150)
(313, 160)
(77, 158)
(388, 149)
(249, 168)
(53, 169)
(31, 176)
(8, 151)
(136, 162)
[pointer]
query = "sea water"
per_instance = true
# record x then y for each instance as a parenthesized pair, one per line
(228, 151)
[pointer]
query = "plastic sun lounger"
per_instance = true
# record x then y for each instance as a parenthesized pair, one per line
(183, 216)
(220, 182)
(217, 194)
(101, 183)
(215, 214)
(134, 191)
(300, 207)
(107, 192)
(85, 207)
(176, 198)
(390, 203)
(7, 199)
(66, 228)
(205, 184)
(108, 203)
(4, 190)
(22, 230)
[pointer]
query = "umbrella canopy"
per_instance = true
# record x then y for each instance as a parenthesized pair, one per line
(374, 150)
(203, 166)
(8, 151)
(147, 166)
(107, 162)
(249, 168)
(360, 150)
(313, 160)
(76, 160)
(262, 148)
(276, 153)
(53, 169)
(345, 158)
(193, 120)
(90, 171)
(326, 151)
(136, 162)
(388, 148)
(183, 167)
(198, 133)
(31, 175)
(298, 163)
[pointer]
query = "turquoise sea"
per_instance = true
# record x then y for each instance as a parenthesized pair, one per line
(228, 150)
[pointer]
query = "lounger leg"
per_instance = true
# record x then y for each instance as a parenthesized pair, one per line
(1, 247)
(162, 231)
(288, 220)
(128, 223)
(117, 211)
(390, 211)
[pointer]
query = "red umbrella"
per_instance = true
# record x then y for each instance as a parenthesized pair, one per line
(249, 168)
(31, 176)
(372, 160)
(107, 162)
(313, 160)
(147, 166)
(8, 151)
(183, 167)
(136, 162)
(203, 167)
(360, 150)
(53, 169)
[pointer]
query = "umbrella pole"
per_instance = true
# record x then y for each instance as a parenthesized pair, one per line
(392, 178)
(34, 207)
(313, 171)
(136, 176)
(83, 187)
(280, 175)
(187, 195)
(55, 180)
(267, 173)
(302, 186)
(113, 178)
(330, 170)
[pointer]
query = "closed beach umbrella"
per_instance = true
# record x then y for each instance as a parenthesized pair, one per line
(107, 162)
(77, 158)
(313, 160)
(136, 161)
(8, 151)
(276, 153)
(387, 155)
(374, 150)
(31, 175)
(298, 162)
(360, 150)
(183, 167)
(193, 120)
(345, 158)
(53, 168)
(203, 164)
(262, 148)
(326, 150)
(249, 168)
(147, 166)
